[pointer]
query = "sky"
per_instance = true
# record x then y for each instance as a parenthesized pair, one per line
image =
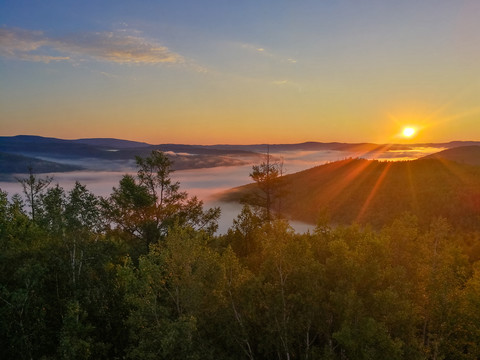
(238, 72)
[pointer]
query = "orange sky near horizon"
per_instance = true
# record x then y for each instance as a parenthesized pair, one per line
(249, 130)
(270, 72)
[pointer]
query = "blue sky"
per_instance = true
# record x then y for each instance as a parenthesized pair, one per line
(241, 72)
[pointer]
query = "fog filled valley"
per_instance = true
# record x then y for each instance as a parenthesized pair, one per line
(205, 172)
(135, 258)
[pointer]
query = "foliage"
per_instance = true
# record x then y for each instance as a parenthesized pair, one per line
(32, 188)
(73, 286)
(145, 207)
(269, 191)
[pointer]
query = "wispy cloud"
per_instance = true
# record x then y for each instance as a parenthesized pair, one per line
(24, 45)
(108, 75)
(264, 52)
(41, 58)
(118, 47)
(13, 41)
(288, 83)
(256, 49)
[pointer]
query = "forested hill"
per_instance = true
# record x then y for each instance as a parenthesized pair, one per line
(108, 149)
(369, 191)
(463, 154)
(12, 163)
(111, 154)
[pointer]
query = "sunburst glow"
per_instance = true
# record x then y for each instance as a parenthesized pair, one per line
(409, 131)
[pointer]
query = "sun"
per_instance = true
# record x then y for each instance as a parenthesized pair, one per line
(408, 131)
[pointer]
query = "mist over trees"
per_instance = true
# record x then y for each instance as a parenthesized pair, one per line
(142, 275)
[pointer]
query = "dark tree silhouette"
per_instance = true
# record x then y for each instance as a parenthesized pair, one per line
(32, 188)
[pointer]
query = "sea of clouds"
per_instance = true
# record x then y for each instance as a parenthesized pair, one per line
(207, 183)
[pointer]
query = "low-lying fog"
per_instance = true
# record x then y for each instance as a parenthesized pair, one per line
(206, 183)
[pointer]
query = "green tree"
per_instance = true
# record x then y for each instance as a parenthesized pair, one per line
(33, 188)
(267, 176)
(75, 340)
(243, 235)
(24, 275)
(447, 273)
(174, 295)
(291, 290)
(81, 275)
(51, 213)
(147, 206)
(464, 340)
(238, 289)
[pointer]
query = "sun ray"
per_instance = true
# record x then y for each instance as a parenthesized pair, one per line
(376, 152)
(460, 115)
(331, 193)
(413, 190)
(453, 169)
(374, 191)
(352, 181)
(424, 120)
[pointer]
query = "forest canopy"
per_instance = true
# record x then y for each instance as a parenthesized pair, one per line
(142, 274)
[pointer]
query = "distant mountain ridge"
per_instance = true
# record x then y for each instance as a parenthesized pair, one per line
(353, 147)
(110, 152)
(103, 148)
(120, 144)
(112, 142)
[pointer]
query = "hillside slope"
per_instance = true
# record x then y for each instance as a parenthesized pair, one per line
(110, 154)
(463, 154)
(19, 164)
(106, 149)
(369, 191)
